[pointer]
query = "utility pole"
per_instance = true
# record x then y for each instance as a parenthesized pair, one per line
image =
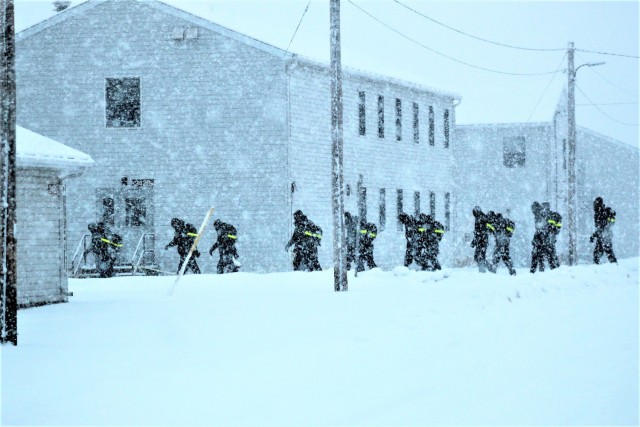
(9, 294)
(572, 196)
(337, 155)
(571, 154)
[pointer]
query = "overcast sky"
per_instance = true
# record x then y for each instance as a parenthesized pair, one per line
(371, 42)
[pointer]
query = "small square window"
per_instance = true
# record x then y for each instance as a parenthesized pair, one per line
(123, 102)
(514, 152)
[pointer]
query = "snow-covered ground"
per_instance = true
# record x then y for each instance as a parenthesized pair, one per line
(400, 348)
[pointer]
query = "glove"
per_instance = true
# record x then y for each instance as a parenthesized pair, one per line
(211, 252)
(592, 238)
(166, 248)
(196, 253)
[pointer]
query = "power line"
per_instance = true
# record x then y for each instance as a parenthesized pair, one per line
(299, 23)
(476, 37)
(442, 54)
(608, 53)
(608, 81)
(546, 88)
(602, 112)
(608, 103)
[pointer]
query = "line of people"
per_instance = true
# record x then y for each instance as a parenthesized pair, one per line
(422, 232)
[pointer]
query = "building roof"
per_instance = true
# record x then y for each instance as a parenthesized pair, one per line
(35, 150)
(234, 35)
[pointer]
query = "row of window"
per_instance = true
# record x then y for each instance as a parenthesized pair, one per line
(362, 120)
(400, 208)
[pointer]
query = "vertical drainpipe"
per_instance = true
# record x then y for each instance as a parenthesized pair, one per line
(453, 205)
(289, 177)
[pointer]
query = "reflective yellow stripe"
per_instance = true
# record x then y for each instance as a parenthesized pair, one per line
(422, 230)
(491, 227)
(612, 220)
(192, 234)
(319, 236)
(372, 234)
(439, 231)
(231, 236)
(558, 224)
(550, 221)
(308, 233)
(509, 229)
(117, 245)
(363, 231)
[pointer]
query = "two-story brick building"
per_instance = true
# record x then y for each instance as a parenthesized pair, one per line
(181, 114)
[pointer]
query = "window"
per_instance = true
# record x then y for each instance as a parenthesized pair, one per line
(399, 208)
(135, 212)
(383, 209)
(446, 128)
(362, 123)
(447, 211)
(363, 198)
(514, 151)
(108, 211)
(416, 202)
(380, 116)
(432, 204)
(416, 124)
(398, 120)
(432, 126)
(564, 153)
(123, 102)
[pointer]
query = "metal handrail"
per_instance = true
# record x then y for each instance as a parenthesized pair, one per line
(142, 241)
(79, 253)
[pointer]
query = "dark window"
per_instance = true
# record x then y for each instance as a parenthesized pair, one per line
(123, 102)
(416, 123)
(380, 116)
(108, 211)
(399, 208)
(446, 128)
(432, 126)
(383, 208)
(362, 126)
(398, 120)
(416, 202)
(447, 211)
(564, 153)
(514, 151)
(432, 204)
(135, 212)
(363, 192)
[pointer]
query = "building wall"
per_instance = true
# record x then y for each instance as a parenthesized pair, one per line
(384, 163)
(609, 169)
(213, 125)
(40, 237)
(482, 179)
(604, 167)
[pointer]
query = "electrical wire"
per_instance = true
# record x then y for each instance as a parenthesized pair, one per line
(602, 112)
(546, 88)
(608, 81)
(476, 37)
(442, 54)
(608, 53)
(298, 27)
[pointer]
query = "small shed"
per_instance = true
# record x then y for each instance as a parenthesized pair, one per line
(42, 167)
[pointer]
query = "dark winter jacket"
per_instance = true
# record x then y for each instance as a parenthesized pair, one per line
(480, 232)
(226, 240)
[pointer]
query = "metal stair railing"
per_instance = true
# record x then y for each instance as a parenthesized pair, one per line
(79, 259)
(137, 260)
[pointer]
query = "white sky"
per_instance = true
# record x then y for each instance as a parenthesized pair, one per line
(488, 97)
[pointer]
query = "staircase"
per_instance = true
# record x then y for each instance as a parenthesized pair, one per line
(142, 262)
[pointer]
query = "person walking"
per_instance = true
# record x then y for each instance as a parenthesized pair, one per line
(480, 239)
(183, 238)
(226, 245)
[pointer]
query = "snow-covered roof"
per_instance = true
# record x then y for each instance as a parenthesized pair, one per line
(234, 35)
(367, 75)
(35, 150)
(170, 10)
